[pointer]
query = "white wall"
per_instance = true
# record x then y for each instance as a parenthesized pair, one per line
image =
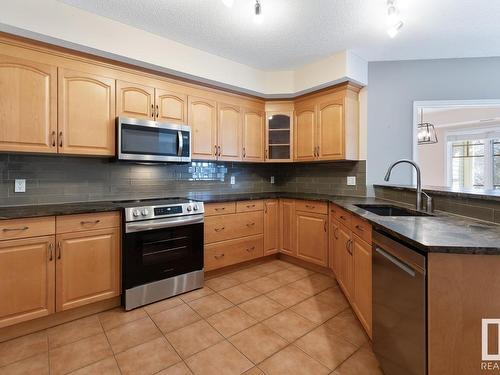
(58, 23)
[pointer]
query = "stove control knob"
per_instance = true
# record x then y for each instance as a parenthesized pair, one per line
(195, 207)
(144, 212)
(135, 213)
(189, 208)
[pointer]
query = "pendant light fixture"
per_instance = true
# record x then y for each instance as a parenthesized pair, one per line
(426, 133)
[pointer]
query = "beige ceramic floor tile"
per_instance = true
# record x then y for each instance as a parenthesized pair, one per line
(175, 318)
(195, 294)
(267, 268)
(132, 334)
(38, 364)
(220, 359)
(346, 325)
(287, 296)
(106, 366)
(362, 362)
(193, 338)
(300, 270)
(286, 276)
(261, 307)
(210, 305)
(239, 293)
(79, 354)
(263, 284)
(221, 283)
(325, 347)
(23, 347)
(258, 342)
(74, 331)
(316, 311)
(254, 371)
(148, 358)
(333, 296)
(289, 325)
(160, 306)
(282, 263)
(245, 275)
(231, 321)
(178, 369)
(113, 318)
(313, 284)
(292, 361)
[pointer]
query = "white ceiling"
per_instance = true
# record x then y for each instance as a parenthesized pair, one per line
(297, 32)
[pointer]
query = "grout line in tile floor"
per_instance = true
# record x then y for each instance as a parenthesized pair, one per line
(257, 275)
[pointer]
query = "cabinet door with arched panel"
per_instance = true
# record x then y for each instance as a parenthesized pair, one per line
(305, 132)
(171, 106)
(253, 135)
(135, 100)
(202, 115)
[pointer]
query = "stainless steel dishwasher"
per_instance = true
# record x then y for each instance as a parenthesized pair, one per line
(399, 307)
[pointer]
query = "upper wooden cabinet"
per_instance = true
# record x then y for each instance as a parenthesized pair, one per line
(86, 104)
(305, 132)
(28, 106)
(271, 226)
(229, 132)
(327, 126)
(170, 106)
(253, 135)
(26, 279)
(134, 100)
(202, 115)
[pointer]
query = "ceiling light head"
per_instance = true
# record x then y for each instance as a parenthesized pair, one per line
(228, 3)
(257, 12)
(394, 29)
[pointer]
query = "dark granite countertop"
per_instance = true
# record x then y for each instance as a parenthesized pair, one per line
(486, 194)
(439, 233)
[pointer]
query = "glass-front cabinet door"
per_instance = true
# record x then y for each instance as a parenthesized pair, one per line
(279, 136)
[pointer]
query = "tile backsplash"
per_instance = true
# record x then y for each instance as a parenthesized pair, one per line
(62, 179)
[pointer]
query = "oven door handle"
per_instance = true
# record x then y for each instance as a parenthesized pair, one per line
(170, 222)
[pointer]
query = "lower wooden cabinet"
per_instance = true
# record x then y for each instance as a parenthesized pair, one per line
(26, 279)
(271, 226)
(287, 226)
(226, 253)
(345, 262)
(362, 301)
(312, 237)
(88, 267)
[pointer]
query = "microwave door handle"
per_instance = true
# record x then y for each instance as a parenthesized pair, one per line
(181, 143)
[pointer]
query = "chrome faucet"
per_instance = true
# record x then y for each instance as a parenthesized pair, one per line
(418, 204)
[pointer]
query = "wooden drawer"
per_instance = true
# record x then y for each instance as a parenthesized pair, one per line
(361, 228)
(245, 206)
(226, 253)
(220, 208)
(311, 206)
(30, 227)
(342, 215)
(78, 223)
(226, 227)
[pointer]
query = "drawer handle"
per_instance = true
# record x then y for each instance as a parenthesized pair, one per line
(348, 246)
(59, 250)
(219, 229)
(250, 224)
(310, 206)
(250, 249)
(250, 205)
(220, 208)
(15, 229)
(335, 233)
(85, 222)
(219, 256)
(51, 248)
(359, 227)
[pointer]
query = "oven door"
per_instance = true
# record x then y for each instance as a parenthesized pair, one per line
(161, 252)
(149, 141)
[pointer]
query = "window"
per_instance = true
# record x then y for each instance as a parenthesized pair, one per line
(475, 163)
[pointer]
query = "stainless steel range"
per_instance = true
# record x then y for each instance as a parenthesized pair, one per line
(162, 250)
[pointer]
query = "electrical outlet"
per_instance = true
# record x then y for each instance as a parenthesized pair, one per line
(233, 180)
(351, 180)
(20, 186)
(272, 179)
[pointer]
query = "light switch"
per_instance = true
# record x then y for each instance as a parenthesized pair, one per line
(272, 179)
(19, 186)
(351, 180)
(233, 180)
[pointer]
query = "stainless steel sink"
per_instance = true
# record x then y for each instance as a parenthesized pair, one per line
(390, 210)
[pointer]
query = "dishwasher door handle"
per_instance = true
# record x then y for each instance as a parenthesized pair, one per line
(396, 261)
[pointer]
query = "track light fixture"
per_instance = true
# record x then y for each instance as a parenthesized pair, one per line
(394, 22)
(258, 12)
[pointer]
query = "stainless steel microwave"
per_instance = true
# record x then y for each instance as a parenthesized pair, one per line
(151, 141)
